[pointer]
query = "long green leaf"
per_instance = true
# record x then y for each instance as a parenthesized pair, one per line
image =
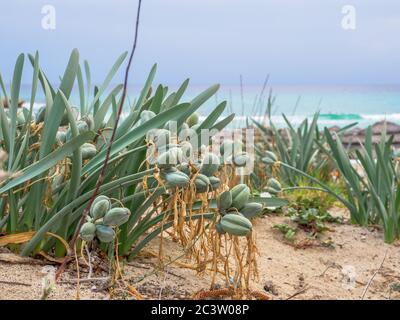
(53, 121)
(103, 109)
(47, 162)
(213, 116)
(197, 102)
(15, 88)
(108, 79)
(146, 88)
(81, 87)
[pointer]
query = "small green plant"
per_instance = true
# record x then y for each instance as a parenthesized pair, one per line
(305, 196)
(310, 220)
(288, 232)
(313, 220)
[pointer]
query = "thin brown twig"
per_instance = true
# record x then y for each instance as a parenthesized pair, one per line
(15, 283)
(373, 276)
(104, 279)
(297, 293)
(107, 158)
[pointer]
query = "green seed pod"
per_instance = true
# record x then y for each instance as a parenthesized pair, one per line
(236, 225)
(251, 209)
(240, 195)
(170, 170)
(189, 135)
(193, 119)
(273, 183)
(39, 117)
(68, 134)
(20, 117)
(168, 147)
(177, 179)
(219, 229)
(160, 137)
(270, 158)
(241, 159)
(229, 148)
(89, 121)
(104, 233)
(184, 126)
(82, 126)
(169, 125)
(65, 119)
(202, 183)
(100, 208)
(61, 136)
(215, 182)
(57, 180)
(273, 186)
(224, 200)
(100, 198)
(169, 158)
(147, 115)
(88, 231)
(197, 165)
(88, 151)
(210, 164)
(116, 217)
(151, 154)
(185, 168)
(187, 150)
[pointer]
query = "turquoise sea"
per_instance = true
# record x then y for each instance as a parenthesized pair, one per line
(338, 105)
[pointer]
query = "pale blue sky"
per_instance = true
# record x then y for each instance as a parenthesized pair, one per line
(296, 41)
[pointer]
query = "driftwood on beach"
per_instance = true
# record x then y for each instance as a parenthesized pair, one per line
(6, 103)
(355, 137)
(352, 138)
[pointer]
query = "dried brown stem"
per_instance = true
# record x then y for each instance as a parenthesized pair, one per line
(373, 276)
(108, 152)
(297, 293)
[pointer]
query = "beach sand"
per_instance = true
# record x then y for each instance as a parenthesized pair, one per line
(317, 272)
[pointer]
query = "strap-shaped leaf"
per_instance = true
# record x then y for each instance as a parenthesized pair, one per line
(103, 109)
(179, 93)
(81, 88)
(213, 116)
(47, 162)
(53, 120)
(197, 102)
(15, 88)
(146, 87)
(223, 123)
(108, 79)
(5, 130)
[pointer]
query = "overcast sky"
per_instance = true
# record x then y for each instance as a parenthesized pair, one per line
(296, 41)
